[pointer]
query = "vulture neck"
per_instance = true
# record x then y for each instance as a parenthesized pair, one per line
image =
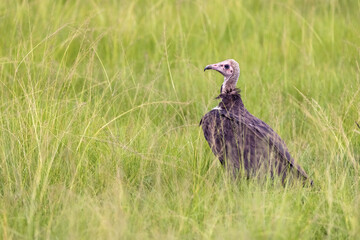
(232, 102)
(229, 83)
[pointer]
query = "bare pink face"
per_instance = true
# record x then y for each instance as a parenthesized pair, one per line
(224, 67)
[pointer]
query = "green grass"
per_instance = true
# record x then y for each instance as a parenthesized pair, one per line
(100, 103)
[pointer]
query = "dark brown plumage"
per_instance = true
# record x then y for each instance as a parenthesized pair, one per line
(242, 142)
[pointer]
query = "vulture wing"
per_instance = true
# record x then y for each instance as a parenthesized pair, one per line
(247, 141)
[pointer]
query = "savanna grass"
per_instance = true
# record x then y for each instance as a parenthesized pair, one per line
(100, 103)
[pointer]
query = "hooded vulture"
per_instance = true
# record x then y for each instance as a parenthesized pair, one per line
(245, 145)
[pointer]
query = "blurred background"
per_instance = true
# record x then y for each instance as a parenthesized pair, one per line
(100, 103)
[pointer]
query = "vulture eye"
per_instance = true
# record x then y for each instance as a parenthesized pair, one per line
(227, 66)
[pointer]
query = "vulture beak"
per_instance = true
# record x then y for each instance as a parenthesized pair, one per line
(207, 67)
(216, 66)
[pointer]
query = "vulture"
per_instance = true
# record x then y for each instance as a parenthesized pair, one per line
(245, 145)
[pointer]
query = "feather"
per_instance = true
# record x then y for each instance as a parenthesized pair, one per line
(244, 143)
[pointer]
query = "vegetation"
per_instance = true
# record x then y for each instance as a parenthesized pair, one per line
(100, 103)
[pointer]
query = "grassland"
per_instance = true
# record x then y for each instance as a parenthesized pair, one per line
(100, 103)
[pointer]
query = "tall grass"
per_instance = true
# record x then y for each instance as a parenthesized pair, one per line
(100, 103)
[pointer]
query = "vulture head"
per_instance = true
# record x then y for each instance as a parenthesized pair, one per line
(230, 70)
